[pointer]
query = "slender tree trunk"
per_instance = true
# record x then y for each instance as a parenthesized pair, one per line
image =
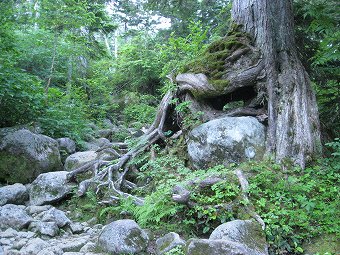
(54, 54)
(294, 129)
(116, 43)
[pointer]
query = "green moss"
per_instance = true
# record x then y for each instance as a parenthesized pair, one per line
(323, 244)
(219, 84)
(212, 61)
(15, 168)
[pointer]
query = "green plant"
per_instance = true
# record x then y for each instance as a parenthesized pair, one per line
(82, 208)
(295, 205)
(180, 49)
(189, 119)
(141, 112)
(214, 205)
(178, 250)
(65, 115)
(21, 96)
(108, 213)
(335, 146)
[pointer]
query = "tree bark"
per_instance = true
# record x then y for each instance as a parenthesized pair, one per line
(47, 86)
(294, 129)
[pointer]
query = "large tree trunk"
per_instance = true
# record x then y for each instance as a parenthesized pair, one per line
(294, 130)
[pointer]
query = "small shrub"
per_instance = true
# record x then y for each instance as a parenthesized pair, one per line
(65, 116)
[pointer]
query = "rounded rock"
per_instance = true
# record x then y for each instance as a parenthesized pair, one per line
(123, 236)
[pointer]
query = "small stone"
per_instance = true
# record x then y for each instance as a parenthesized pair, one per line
(13, 216)
(92, 221)
(13, 194)
(45, 228)
(91, 232)
(84, 224)
(19, 244)
(76, 228)
(8, 233)
(168, 242)
(89, 247)
(27, 235)
(215, 247)
(74, 245)
(34, 246)
(67, 145)
(98, 227)
(4, 241)
(51, 251)
(36, 209)
(12, 252)
(57, 216)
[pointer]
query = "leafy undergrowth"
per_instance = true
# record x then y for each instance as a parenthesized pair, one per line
(298, 206)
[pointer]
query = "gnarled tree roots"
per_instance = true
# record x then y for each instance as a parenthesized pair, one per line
(242, 81)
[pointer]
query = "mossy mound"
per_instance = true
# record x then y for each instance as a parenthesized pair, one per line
(323, 244)
(212, 61)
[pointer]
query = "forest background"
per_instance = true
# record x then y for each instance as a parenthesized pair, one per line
(67, 63)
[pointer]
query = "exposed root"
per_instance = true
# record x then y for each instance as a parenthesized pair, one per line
(244, 188)
(112, 171)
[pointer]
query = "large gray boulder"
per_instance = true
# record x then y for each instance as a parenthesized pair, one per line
(79, 159)
(215, 247)
(13, 194)
(49, 188)
(226, 140)
(24, 155)
(123, 237)
(14, 216)
(246, 232)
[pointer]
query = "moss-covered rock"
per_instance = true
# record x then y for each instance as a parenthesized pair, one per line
(24, 155)
(123, 237)
(226, 140)
(168, 242)
(214, 247)
(323, 244)
(50, 187)
(246, 232)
